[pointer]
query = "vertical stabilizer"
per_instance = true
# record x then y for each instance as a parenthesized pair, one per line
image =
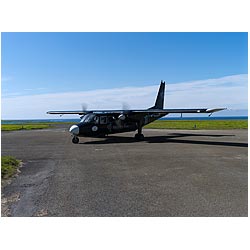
(159, 102)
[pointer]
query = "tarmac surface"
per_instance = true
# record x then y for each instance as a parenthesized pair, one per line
(171, 173)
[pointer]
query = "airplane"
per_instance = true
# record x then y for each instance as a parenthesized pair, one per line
(99, 123)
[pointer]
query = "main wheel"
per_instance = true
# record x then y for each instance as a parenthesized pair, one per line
(139, 137)
(75, 140)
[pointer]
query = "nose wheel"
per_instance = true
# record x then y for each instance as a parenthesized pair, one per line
(75, 140)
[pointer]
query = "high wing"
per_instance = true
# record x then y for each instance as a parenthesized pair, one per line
(176, 111)
(138, 111)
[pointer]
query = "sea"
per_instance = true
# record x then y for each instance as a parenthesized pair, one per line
(165, 118)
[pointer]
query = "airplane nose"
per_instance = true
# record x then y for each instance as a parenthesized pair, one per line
(74, 129)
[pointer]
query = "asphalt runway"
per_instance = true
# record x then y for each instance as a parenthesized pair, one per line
(171, 173)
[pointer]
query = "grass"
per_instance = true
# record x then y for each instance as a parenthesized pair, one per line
(12, 127)
(160, 124)
(199, 124)
(9, 166)
(31, 125)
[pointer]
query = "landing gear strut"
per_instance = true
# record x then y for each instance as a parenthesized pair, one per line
(75, 140)
(139, 136)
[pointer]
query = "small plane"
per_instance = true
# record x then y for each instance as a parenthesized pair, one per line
(99, 123)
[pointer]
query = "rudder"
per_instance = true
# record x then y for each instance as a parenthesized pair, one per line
(159, 102)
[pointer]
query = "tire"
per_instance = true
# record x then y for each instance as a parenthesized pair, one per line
(75, 140)
(139, 137)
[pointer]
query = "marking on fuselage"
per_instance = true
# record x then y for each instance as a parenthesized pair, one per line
(94, 128)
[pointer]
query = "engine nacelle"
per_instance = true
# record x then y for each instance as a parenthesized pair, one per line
(122, 117)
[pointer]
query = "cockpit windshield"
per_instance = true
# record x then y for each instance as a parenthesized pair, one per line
(90, 118)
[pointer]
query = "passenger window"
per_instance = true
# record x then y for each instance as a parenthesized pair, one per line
(103, 120)
(96, 120)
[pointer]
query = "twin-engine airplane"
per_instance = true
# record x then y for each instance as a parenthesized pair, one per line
(95, 123)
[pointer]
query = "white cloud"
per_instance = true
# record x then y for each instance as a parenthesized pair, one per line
(229, 91)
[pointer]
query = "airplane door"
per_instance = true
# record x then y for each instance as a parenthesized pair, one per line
(103, 119)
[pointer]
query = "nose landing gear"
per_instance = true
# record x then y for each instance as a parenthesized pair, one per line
(75, 140)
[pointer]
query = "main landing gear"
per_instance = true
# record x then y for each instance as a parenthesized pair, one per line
(139, 136)
(75, 140)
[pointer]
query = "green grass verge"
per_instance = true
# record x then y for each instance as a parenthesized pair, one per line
(9, 166)
(12, 127)
(31, 125)
(197, 124)
(160, 124)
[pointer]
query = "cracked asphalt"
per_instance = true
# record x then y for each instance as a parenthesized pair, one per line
(171, 173)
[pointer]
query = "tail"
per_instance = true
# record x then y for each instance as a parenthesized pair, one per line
(159, 102)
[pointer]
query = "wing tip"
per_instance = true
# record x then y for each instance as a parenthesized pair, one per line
(215, 110)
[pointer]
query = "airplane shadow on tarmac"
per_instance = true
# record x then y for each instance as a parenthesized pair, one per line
(172, 138)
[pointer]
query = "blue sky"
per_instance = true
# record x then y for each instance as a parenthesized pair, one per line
(39, 64)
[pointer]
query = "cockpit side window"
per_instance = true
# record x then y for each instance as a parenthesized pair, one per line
(83, 118)
(88, 118)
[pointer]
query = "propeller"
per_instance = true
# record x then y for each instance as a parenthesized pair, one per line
(125, 106)
(84, 108)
